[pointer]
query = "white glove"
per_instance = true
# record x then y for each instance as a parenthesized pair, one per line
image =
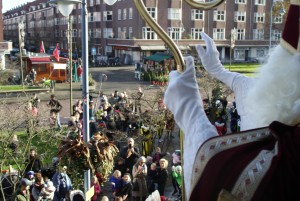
(211, 62)
(183, 99)
(235, 81)
(182, 96)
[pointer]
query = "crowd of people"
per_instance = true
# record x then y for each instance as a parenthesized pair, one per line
(136, 174)
(134, 177)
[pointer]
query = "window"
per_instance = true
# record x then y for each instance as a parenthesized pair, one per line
(108, 48)
(259, 17)
(240, 1)
(124, 14)
(97, 33)
(90, 17)
(49, 13)
(50, 22)
(107, 33)
(91, 3)
(197, 14)
(74, 33)
(218, 34)
(130, 32)
(97, 2)
(174, 14)
(260, 2)
(240, 34)
(119, 14)
(276, 34)
(152, 12)
(174, 32)
(124, 32)
(97, 16)
(239, 16)
(258, 34)
(56, 33)
(260, 53)
(278, 19)
(239, 54)
(130, 13)
(196, 33)
(119, 32)
(148, 33)
(219, 15)
(107, 15)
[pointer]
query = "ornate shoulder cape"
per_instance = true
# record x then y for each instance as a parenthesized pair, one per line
(261, 164)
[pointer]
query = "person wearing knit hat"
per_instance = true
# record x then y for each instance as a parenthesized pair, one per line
(262, 162)
(31, 178)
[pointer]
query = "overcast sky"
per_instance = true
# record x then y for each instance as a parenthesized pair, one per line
(9, 4)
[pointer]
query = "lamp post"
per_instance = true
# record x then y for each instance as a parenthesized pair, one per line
(85, 86)
(232, 44)
(65, 7)
(21, 45)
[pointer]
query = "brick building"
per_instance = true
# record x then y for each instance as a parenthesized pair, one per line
(119, 30)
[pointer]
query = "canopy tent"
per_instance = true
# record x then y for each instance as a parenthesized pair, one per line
(158, 57)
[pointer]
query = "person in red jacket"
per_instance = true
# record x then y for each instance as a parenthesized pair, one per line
(97, 189)
(79, 72)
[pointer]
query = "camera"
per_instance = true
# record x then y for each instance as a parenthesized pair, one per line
(129, 146)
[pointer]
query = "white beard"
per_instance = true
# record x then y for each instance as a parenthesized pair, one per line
(276, 93)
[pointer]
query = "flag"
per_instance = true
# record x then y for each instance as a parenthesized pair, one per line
(42, 49)
(55, 52)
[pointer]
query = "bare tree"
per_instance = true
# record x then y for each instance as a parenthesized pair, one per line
(21, 130)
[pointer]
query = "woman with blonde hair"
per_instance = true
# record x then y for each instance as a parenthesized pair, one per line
(139, 174)
(162, 176)
(116, 181)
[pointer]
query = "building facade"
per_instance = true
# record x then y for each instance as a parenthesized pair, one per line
(1, 23)
(251, 27)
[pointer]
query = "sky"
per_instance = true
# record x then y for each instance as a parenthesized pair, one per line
(9, 4)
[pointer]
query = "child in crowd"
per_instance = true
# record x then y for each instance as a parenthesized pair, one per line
(97, 189)
(177, 176)
(125, 193)
(49, 189)
(152, 177)
(116, 181)
(158, 155)
(175, 162)
(38, 191)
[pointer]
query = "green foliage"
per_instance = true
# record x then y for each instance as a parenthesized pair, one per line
(92, 82)
(147, 76)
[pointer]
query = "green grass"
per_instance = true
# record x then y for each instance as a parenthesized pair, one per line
(15, 87)
(245, 69)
